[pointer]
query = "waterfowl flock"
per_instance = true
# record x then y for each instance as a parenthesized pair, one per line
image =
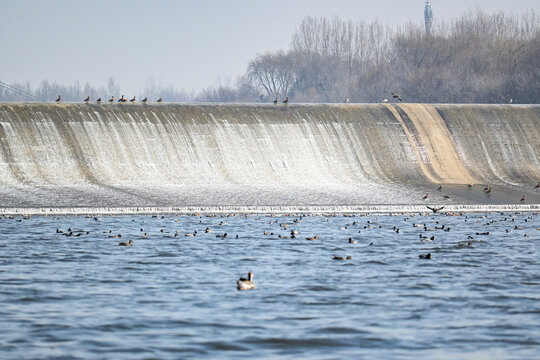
(112, 100)
(432, 231)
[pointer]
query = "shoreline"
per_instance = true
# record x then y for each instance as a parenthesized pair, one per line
(275, 210)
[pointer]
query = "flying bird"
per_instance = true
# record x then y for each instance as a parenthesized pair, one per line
(435, 209)
(396, 96)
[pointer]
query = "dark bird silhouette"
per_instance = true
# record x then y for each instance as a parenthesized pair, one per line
(425, 256)
(145, 99)
(426, 196)
(59, 98)
(98, 100)
(132, 100)
(523, 198)
(87, 99)
(276, 101)
(286, 101)
(122, 99)
(537, 186)
(111, 99)
(159, 100)
(130, 243)
(440, 188)
(446, 197)
(396, 96)
(435, 209)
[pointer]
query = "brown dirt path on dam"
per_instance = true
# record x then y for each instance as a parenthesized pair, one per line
(432, 144)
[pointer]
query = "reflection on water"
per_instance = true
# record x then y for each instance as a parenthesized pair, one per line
(174, 296)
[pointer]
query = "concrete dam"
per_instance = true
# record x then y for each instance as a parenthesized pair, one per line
(266, 157)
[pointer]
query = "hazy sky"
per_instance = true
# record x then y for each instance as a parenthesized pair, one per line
(190, 44)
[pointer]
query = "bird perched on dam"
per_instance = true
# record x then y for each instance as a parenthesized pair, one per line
(59, 98)
(425, 196)
(144, 100)
(98, 100)
(122, 99)
(111, 100)
(132, 99)
(87, 99)
(160, 100)
(275, 101)
(396, 96)
(286, 101)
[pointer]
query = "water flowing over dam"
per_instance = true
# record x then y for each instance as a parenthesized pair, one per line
(242, 155)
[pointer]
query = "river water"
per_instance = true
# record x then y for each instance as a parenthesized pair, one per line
(167, 297)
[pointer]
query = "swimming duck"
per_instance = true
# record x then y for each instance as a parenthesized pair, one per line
(343, 258)
(130, 243)
(425, 256)
(312, 238)
(222, 236)
(245, 284)
(351, 241)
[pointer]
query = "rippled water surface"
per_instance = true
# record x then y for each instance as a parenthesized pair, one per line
(167, 297)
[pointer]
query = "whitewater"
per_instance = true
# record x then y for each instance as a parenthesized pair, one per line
(129, 158)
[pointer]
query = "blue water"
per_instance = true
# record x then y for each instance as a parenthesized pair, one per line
(166, 297)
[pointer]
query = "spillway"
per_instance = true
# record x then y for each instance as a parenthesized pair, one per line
(185, 156)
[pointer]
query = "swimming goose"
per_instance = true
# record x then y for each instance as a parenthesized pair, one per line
(245, 284)
(425, 256)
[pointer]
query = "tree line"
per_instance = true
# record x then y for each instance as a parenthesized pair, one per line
(476, 58)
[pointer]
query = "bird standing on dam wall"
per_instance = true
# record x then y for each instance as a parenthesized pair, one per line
(59, 98)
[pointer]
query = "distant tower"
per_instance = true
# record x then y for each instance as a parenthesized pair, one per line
(428, 17)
